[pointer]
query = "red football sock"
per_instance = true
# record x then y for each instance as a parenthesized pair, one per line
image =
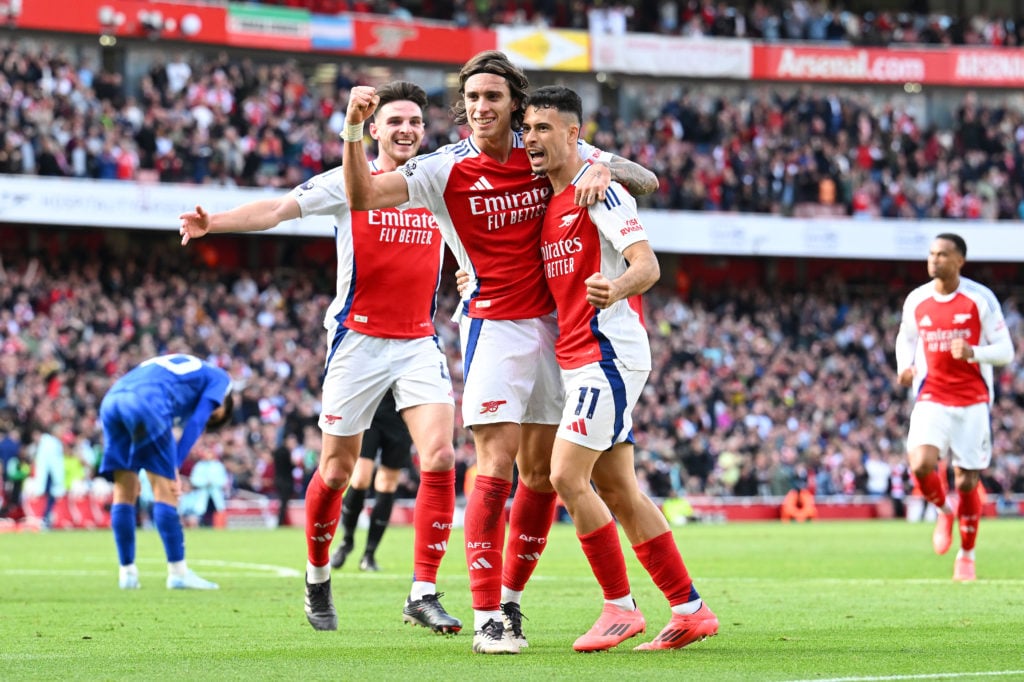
(485, 537)
(968, 516)
(932, 488)
(662, 560)
(604, 552)
(432, 521)
(323, 508)
(528, 527)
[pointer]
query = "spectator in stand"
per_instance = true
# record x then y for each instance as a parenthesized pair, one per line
(790, 151)
(10, 448)
(16, 472)
(210, 482)
(790, 20)
(48, 467)
(818, 355)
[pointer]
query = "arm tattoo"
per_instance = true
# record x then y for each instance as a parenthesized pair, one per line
(634, 177)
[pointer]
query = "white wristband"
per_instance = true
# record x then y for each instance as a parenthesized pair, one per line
(353, 132)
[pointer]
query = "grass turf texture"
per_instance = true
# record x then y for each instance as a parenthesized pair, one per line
(857, 600)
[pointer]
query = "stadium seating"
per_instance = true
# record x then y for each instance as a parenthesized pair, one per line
(754, 388)
(788, 20)
(786, 151)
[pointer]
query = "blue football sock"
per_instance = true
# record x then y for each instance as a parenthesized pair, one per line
(168, 524)
(122, 522)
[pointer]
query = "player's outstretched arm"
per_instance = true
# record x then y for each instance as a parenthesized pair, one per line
(252, 217)
(634, 177)
(366, 191)
(637, 180)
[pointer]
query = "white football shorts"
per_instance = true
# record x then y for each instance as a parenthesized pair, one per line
(510, 371)
(599, 402)
(360, 370)
(964, 434)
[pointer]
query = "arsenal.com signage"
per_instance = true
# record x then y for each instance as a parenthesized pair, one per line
(267, 26)
(859, 66)
(969, 67)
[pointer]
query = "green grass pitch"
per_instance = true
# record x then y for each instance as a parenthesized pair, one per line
(851, 601)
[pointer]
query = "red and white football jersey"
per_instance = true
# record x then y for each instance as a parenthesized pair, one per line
(389, 262)
(490, 215)
(930, 323)
(575, 243)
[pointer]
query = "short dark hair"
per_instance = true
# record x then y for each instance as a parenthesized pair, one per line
(958, 242)
(396, 91)
(559, 98)
(229, 407)
(498, 64)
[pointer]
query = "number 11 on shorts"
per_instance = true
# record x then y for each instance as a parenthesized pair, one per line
(594, 394)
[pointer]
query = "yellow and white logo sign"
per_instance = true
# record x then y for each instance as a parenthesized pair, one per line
(545, 49)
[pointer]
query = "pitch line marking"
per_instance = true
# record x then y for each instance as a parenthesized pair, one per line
(857, 581)
(249, 568)
(276, 571)
(922, 676)
(280, 571)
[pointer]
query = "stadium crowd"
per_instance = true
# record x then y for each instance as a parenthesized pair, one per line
(768, 20)
(780, 150)
(754, 392)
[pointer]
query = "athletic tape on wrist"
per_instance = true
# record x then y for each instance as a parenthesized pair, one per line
(353, 132)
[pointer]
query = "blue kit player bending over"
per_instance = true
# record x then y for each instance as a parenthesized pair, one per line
(139, 414)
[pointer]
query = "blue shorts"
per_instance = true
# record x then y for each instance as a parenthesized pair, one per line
(137, 436)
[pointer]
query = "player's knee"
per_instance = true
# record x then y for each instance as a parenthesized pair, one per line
(967, 482)
(536, 473)
(440, 458)
(539, 481)
(619, 502)
(360, 480)
(335, 478)
(568, 484)
(362, 472)
(386, 480)
(922, 469)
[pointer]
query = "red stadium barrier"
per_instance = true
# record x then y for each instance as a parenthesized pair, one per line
(88, 512)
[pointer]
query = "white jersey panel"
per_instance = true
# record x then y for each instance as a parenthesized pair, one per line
(619, 228)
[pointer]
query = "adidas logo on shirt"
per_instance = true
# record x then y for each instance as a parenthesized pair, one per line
(481, 184)
(925, 322)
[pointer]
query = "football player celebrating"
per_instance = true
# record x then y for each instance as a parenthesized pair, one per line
(380, 337)
(597, 262)
(489, 206)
